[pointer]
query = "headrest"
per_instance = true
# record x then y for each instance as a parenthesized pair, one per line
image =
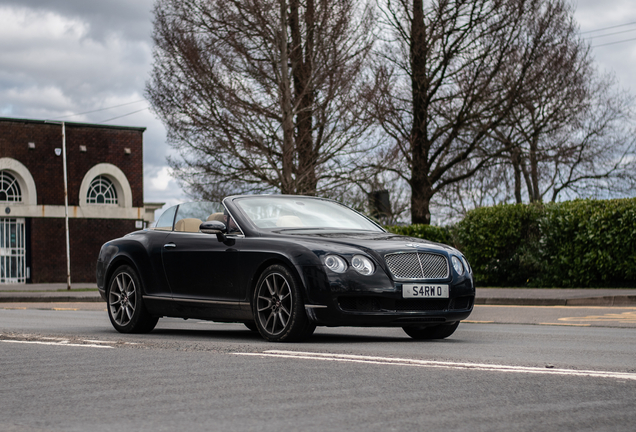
(188, 225)
(217, 217)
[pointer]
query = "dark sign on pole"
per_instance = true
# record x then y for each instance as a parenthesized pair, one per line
(380, 205)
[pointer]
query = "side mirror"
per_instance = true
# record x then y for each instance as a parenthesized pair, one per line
(218, 228)
(213, 227)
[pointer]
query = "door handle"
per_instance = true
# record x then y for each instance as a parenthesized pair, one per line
(169, 245)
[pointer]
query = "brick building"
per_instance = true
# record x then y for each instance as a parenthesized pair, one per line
(105, 196)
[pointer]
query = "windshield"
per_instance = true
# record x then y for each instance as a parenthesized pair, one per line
(302, 213)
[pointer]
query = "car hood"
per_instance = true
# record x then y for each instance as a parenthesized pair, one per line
(381, 243)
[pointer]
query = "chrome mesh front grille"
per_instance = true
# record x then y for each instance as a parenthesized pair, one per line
(417, 265)
(405, 265)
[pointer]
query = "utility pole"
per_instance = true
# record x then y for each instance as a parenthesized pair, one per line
(68, 242)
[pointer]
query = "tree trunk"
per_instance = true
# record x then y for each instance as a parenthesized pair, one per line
(535, 195)
(302, 71)
(517, 169)
(420, 204)
(287, 186)
(526, 176)
(421, 189)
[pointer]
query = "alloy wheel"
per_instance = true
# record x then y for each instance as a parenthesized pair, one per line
(274, 303)
(122, 299)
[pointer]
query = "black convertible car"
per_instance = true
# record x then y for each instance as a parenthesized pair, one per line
(282, 265)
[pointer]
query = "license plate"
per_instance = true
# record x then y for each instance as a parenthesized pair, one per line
(424, 291)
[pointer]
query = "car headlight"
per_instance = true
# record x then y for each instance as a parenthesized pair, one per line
(457, 265)
(466, 265)
(362, 265)
(335, 263)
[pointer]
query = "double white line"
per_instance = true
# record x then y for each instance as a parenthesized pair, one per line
(347, 358)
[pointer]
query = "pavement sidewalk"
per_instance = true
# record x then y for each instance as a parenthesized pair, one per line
(46, 293)
(556, 296)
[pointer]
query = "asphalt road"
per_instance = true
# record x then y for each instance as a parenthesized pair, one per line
(581, 316)
(69, 370)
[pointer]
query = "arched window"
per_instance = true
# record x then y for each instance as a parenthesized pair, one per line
(101, 191)
(9, 188)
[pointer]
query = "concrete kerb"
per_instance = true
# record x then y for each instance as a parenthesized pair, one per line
(585, 301)
(49, 293)
(556, 296)
(49, 299)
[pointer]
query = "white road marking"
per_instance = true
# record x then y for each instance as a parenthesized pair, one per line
(108, 342)
(439, 364)
(565, 324)
(61, 343)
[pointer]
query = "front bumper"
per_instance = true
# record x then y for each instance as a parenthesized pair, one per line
(332, 317)
(377, 301)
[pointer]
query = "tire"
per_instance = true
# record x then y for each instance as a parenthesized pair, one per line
(435, 332)
(126, 309)
(279, 312)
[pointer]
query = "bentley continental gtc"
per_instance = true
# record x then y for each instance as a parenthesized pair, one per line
(282, 265)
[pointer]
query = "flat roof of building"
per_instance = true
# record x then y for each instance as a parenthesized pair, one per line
(75, 124)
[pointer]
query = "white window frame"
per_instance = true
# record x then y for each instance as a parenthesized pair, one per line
(109, 194)
(115, 175)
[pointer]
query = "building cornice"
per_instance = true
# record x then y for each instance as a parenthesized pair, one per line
(97, 211)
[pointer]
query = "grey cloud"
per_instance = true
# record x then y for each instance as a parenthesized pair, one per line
(132, 18)
(101, 60)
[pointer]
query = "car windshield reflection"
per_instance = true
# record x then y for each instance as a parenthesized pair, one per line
(302, 213)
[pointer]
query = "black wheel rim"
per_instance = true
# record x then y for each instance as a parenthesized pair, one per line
(122, 299)
(274, 304)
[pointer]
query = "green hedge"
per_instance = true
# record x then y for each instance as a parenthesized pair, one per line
(589, 243)
(582, 243)
(501, 244)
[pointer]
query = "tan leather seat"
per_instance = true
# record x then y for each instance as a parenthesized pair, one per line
(216, 217)
(188, 225)
(289, 221)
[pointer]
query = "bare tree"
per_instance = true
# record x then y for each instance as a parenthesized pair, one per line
(492, 185)
(571, 132)
(557, 90)
(441, 96)
(262, 95)
(456, 76)
(554, 127)
(595, 155)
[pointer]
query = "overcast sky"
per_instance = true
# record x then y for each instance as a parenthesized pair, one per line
(65, 57)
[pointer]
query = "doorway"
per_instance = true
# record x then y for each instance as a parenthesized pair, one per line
(12, 251)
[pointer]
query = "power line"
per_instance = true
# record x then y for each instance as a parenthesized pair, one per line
(130, 113)
(607, 28)
(102, 109)
(611, 34)
(614, 43)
